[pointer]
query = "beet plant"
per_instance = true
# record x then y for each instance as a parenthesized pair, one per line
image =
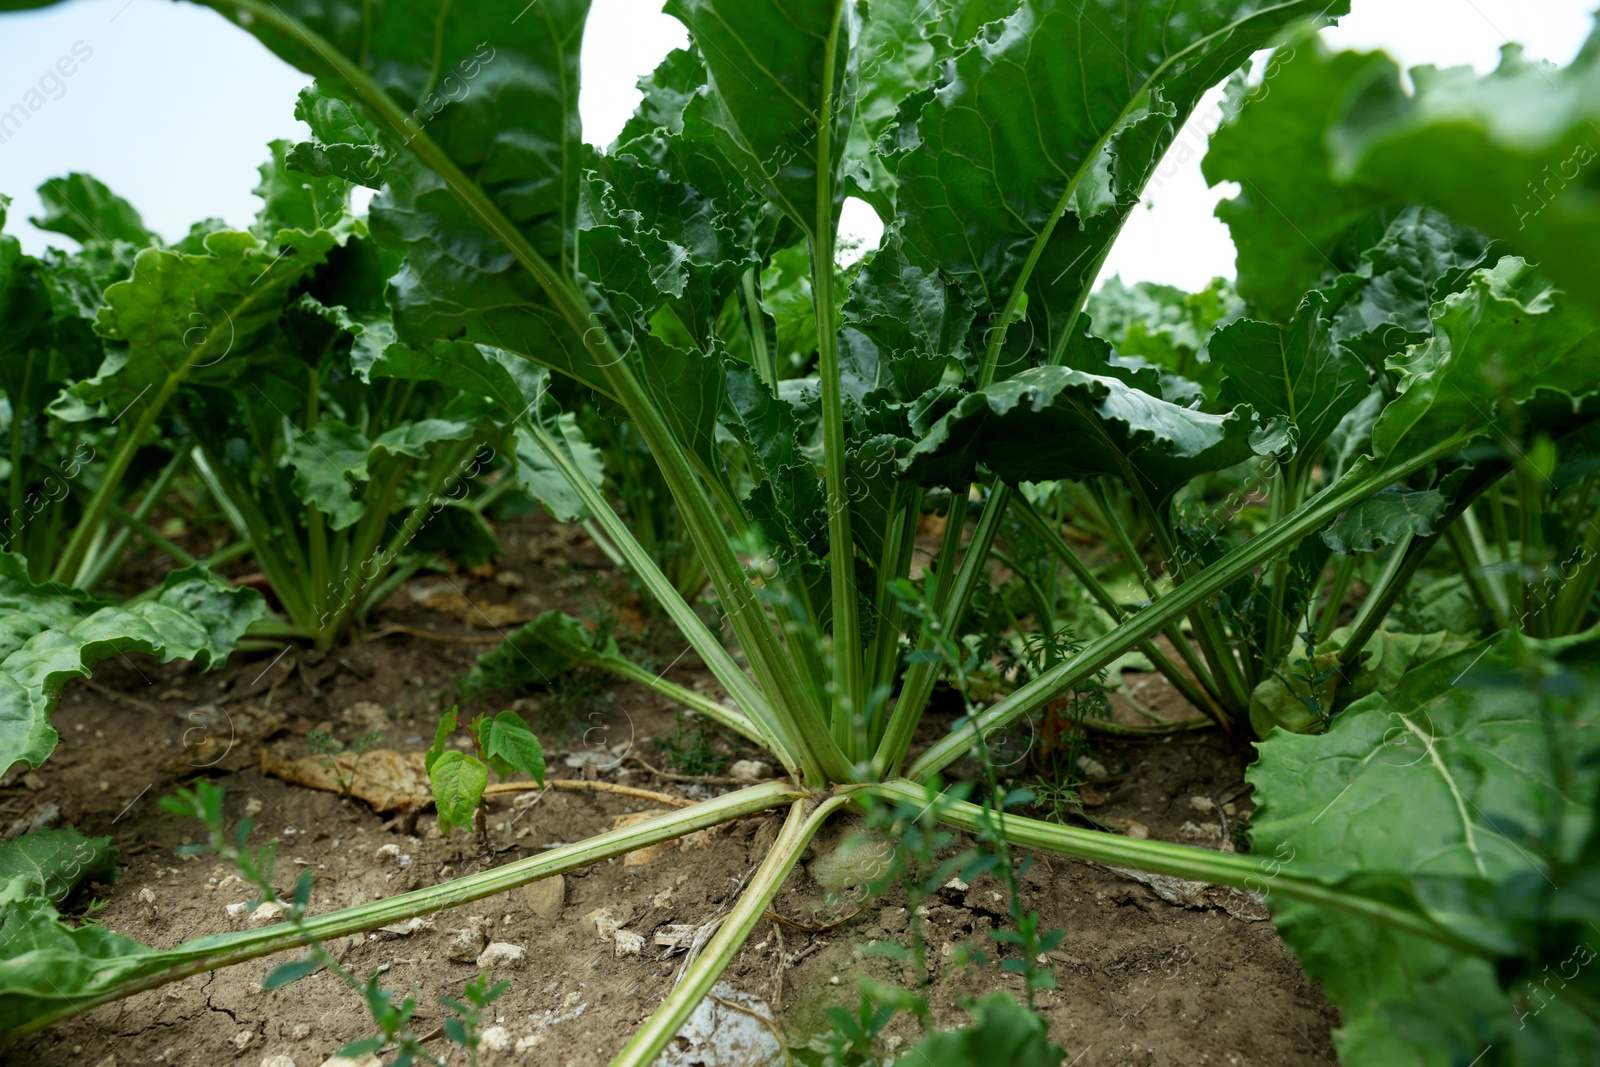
(956, 369)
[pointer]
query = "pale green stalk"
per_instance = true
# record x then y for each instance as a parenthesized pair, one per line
(221, 950)
(798, 829)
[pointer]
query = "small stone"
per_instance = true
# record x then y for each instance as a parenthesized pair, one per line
(469, 941)
(416, 924)
(253, 806)
(242, 1039)
(605, 922)
(1202, 804)
(300, 1032)
(626, 943)
(1092, 768)
(545, 897)
(750, 770)
(834, 980)
(33, 781)
(525, 1043)
(1229, 810)
(496, 1038)
(502, 954)
(1189, 829)
(266, 912)
(147, 895)
(280, 1060)
(957, 884)
(1137, 830)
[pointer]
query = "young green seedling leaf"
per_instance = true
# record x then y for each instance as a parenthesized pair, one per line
(458, 783)
(507, 738)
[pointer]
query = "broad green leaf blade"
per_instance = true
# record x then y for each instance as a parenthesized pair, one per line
(1505, 338)
(1510, 153)
(50, 635)
(510, 739)
(1049, 423)
(543, 481)
(330, 467)
(48, 964)
(1291, 217)
(293, 200)
(1297, 372)
(344, 144)
(82, 208)
(1488, 760)
(1384, 518)
(458, 782)
(1286, 698)
(1022, 165)
(903, 327)
(55, 862)
(196, 316)
(783, 83)
(535, 653)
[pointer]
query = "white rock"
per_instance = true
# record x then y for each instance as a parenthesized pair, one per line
(389, 852)
(242, 1039)
(525, 1043)
(1202, 804)
(280, 1060)
(750, 770)
(266, 912)
(626, 943)
(607, 921)
(147, 895)
(414, 925)
(1189, 829)
(253, 806)
(496, 1038)
(469, 940)
(369, 1060)
(300, 1032)
(957, 884)
(502, 954)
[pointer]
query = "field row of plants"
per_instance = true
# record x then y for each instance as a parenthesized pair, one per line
(1346, 503)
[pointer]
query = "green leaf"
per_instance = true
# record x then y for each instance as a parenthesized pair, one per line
(330, 465)
(769, 67)
(50, 634)
(1496, 344)
(285, 973)
(1489, 756)
(1285, 698)
(1002, 1031)
(82, 208)
(1511, 153)
(343, 143)
(1384, 518)
(1296, 372)
(49, 964)
(1291, 217)
(1024, 162)
(196, 316)
(441, 736)
(293, 200)
(1049, 423)
(509, 738)
(458, 782)
(536, 653)
(544, 482)
(55, 862)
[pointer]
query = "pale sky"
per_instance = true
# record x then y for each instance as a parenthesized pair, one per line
(173, 106)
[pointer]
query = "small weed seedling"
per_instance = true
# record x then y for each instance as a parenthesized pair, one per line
(332, 752)
(503, 742)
